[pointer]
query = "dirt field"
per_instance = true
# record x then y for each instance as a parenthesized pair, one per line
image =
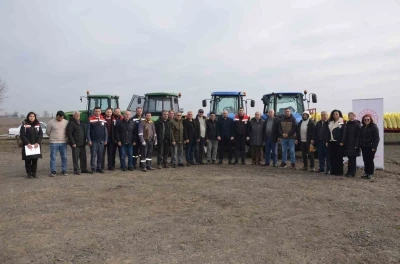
(201, 214)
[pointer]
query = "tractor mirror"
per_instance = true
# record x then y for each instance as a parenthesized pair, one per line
(252, 103)
(204, 103)
(139, 100)
(176, 101)
(314, 98)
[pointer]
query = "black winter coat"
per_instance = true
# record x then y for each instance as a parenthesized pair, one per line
(76, 133)
(127, 132)
(275, 125)
(31, 133)
(191, 130)
(211, 129)
(225, 127)
(369, 136)
(163, 129)
(337, 131)
(321, 128)
(350, 139)
(256, 132)
(287, 125)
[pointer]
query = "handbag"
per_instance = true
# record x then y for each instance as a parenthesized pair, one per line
(20, 143)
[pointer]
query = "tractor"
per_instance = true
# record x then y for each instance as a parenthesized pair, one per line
(102, 101)
(155, 103)
(294, 101)
(229, 101)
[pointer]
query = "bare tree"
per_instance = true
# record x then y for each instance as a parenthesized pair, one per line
(3, 92)
(15, 114)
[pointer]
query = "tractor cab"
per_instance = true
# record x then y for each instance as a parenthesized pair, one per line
(102, 101)
(280, 101)
(227, 101)
(155, 103)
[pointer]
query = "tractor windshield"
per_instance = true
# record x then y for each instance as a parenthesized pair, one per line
(292, 101)
(228, 103)
(158, 104)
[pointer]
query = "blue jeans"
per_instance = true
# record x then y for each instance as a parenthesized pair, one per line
(96, 151)
(54, 148)
(288, 143)
(126, 149)
(323, 157)
(190, 148)
(271, 146)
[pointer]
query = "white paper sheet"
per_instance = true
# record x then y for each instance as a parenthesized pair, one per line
(33, 151)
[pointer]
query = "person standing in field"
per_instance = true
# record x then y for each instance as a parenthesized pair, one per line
(109, 148)
(225, 136)
(138, 118)
(117, 117)
(126, 134)
(287, 134)
(200, 121)
(256, 134)
(335, 134)
(350, 143)
(240, 134)
(305, 138)
(369, 141)
(97, 138)
(31, 135)
(56, 129)
(177, 140)
(163, 130)
(271, 138)
(320, 140)
(191, 133)
(76, 134)
(148, 139)
(211, 139)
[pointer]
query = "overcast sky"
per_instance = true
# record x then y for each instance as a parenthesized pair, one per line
(51, 52)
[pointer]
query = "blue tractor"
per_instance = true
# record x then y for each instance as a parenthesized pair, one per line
(294, 101)
(229, 101)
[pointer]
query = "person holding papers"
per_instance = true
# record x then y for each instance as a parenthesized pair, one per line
(31, 135)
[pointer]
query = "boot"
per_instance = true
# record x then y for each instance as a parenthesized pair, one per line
(34, 175)
(166, 166)
(29, 175)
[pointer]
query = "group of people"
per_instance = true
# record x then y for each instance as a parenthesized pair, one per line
(206, 140)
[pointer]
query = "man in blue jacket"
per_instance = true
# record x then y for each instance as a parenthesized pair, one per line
(225, 136)
(97, 138)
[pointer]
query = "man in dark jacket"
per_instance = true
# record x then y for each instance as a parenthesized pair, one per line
(201, 141)
(138, 118)
(163, 130)
(117, 117)
(305, 137)
(287, 133)
(126, 137)
(177, 140)
(240, 134)
(271, 138)
(225, 136)
(256, 134)
(320, 135)
(191, 133)
(211, 139)
(97, 138)
(76, 133)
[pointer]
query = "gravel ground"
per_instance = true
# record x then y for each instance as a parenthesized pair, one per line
(201, 214)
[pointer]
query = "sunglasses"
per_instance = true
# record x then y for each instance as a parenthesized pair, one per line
(201, 112)
(367, 119)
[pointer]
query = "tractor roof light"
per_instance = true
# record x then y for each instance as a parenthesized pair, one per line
(87, 92)
(244, 93)
(305, 91)
(179, 95)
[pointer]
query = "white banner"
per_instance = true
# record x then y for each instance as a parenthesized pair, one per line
(374, 107)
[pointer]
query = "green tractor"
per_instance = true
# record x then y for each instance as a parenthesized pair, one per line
(155, 103)
(102, 101)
